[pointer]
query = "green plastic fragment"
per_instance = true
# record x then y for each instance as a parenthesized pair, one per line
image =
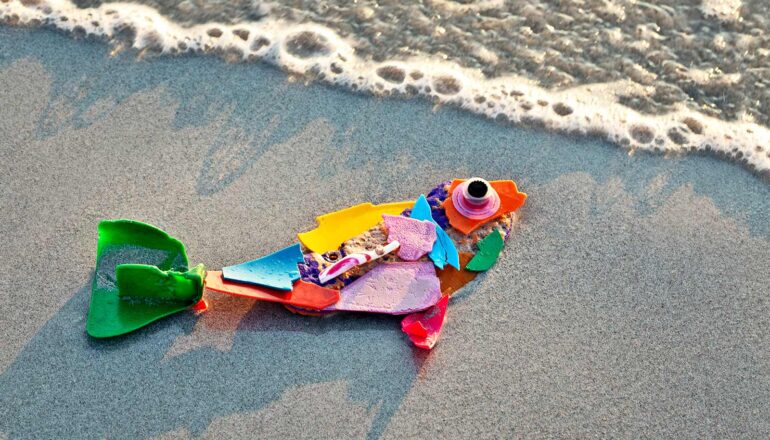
(131, 232)
(489, 249)
(142, 282)
(141, 276)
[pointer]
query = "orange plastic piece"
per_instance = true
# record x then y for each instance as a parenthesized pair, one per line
(303, 294)
(451, 279)
(510, 200)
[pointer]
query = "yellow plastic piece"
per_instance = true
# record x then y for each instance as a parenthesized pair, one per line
(336, 227)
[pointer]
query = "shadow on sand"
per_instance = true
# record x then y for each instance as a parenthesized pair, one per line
(66, 385)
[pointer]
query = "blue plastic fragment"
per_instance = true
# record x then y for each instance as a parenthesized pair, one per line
(278, 270)
(444, 250)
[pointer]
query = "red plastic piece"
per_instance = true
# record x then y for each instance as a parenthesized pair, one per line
(200, 306)
(303, 294)
(510, 200)
(424, 328)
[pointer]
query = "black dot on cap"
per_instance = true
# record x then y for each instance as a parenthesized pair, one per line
(477, 189)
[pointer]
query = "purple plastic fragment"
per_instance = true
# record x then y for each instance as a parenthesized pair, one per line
(391, 288)
(436, 197)
(308, 270)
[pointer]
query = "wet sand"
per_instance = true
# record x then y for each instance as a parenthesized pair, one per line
(632, 300)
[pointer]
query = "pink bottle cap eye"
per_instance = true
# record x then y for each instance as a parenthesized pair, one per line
(476, 199)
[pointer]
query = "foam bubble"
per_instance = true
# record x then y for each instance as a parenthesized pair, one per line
(243, 34)
(724, 10)
(447, 85)
(642, 134)
(562, 109)
(393, 74)
(317, 51)
(307, 44)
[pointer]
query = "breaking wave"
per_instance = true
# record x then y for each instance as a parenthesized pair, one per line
(321, 53)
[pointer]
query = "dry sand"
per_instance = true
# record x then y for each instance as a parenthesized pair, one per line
(633, 299)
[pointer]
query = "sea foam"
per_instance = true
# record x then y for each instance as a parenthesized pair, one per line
(319, 53)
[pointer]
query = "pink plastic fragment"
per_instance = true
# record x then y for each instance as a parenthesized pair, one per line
(392, 288)
(424, 328)
(416, 236)
(354, 260)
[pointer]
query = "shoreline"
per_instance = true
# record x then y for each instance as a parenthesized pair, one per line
(585, 110)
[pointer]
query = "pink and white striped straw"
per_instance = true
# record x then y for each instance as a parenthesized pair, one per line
(353, 260)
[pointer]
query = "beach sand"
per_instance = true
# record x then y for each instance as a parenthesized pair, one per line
(632, 300)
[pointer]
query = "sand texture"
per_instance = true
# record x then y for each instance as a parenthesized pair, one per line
(632, 299)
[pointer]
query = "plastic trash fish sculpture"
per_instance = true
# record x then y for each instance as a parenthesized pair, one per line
(403, 258)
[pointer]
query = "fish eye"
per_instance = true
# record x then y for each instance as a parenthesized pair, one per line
(476, 199)
(478, 188)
